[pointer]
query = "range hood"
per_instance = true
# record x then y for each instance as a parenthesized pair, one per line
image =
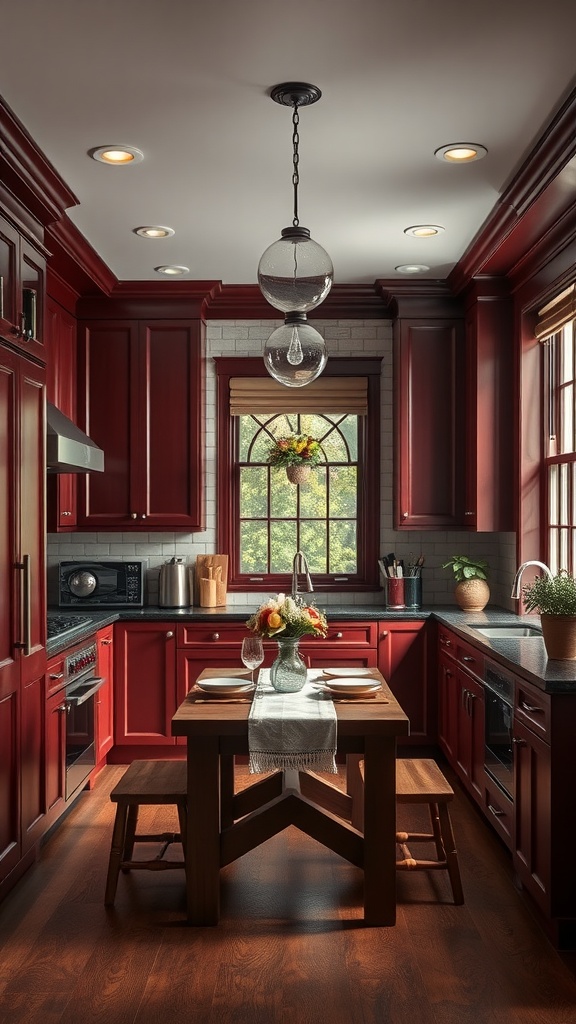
(69, 449)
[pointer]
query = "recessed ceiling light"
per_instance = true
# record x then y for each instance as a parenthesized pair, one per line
(411, 268)
(172, 271)
(154, 231)
(461, 152)
(424, 230)
(117, 156)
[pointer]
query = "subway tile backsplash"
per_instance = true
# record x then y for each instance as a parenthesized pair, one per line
(343, 338)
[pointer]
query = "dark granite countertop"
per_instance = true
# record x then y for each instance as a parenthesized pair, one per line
(526, 656)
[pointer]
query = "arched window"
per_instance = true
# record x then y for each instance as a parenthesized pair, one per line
(333, 517)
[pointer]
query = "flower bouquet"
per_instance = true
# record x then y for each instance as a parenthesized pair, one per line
(296, 454)
(281, 618)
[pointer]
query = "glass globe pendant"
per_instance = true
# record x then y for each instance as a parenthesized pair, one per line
(295, 273)
(295, 353)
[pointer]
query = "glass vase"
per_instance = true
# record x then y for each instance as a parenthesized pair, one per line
(288, 672)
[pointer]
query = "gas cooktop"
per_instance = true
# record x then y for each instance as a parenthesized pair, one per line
(61, 625)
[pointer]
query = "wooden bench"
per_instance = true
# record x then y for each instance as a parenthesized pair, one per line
(145, 782)
(419, 781)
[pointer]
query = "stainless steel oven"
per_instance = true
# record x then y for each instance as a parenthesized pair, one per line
(78, 704)
(498, 748)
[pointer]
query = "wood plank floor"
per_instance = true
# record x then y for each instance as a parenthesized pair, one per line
(291, 947)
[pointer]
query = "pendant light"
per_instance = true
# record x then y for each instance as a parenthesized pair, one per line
(295, 273)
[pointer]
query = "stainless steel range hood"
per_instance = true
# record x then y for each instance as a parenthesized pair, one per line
(69, 449)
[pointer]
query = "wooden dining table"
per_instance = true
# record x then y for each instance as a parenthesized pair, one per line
(223, 824)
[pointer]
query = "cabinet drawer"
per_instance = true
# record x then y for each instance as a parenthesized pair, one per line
(347, 634)
(500, 811)
(470, 659)
(211, 634)
(533, 708)
(55, 674)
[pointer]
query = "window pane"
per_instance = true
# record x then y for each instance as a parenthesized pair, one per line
(553, 495)
(343, 488)
(313, 543)
(567, 418)
(283, 545)
(283, 495)
(254, 548)
(343, 547)
(247, 431)
(564, 494)
(253, 496)
(566, 356)
(313, 497)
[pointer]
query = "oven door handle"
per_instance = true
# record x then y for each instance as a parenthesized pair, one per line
(80, 695)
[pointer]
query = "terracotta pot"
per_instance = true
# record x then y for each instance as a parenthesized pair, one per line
(298, 474)
(559, 632)
(472, 595)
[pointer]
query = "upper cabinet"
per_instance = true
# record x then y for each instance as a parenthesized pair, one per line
(61, 391)
(141, 399)
(22, 286)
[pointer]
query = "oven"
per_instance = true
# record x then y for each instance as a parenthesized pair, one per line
(80, 686)
(498, 746)
(91, 585)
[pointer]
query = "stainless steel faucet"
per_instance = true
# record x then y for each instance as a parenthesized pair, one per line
(299, 566)
(516, 585)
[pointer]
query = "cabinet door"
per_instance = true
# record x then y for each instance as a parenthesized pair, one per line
(447, 707)
(104, 716)
(31, 511)
(403, 661)
(429, 480)
(9, 783)
(55, 755)
(144, 407)
(470, 735)
(61, 391)
(532, 808)
(9, 259)
(9, 607)
(145, 696)
(32, 298)
(32, 765)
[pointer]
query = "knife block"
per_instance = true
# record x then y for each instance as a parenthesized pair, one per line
(211, 580)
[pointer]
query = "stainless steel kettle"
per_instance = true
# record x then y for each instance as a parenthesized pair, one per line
(173, 587)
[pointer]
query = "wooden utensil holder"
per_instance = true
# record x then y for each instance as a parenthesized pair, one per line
(211, 581)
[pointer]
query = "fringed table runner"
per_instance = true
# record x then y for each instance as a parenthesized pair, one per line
(291, 730)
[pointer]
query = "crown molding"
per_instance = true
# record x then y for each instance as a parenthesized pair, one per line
(344, 301)
(74, 259)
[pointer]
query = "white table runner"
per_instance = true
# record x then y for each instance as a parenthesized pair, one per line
(291, 730)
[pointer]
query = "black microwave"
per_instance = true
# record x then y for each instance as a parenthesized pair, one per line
(106, 584)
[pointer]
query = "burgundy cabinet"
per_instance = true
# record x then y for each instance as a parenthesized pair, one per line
(141, 400)
(104, 706)
(447, 706)
(429, 424)
(461, 722)
(532, 805)
(55, 773)
(404, 662)
(145, 695)
(470, 734)
(22, 288)
(22, 603)
(61, 391)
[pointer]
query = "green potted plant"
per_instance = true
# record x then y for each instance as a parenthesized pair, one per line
(296, 454)
(555, 599)
(472, 592)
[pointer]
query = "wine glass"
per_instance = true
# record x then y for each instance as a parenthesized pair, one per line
(252, 653)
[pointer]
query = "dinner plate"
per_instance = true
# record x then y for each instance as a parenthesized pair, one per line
(345, 673)
(224, 686)
(351, 687)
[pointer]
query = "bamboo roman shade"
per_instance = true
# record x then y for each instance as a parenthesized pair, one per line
(327, 395)
(553, 316)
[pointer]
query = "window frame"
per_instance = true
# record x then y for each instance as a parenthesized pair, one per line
(367, 577)
(555, 459)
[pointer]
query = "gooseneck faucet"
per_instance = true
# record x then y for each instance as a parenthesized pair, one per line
(300, 566)
(516, 585)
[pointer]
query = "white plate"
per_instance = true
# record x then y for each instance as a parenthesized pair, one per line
(224, 686)
(351, 687)
(346, 673)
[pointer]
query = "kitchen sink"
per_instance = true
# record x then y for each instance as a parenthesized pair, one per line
(510, 632)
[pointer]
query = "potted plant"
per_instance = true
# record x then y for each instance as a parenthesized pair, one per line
(555, 599)
(296, 454)
(472, 592)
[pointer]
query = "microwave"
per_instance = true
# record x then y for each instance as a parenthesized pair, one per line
(107, 584)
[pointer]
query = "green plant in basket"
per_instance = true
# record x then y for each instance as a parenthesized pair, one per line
(555, 596)
(296, 450)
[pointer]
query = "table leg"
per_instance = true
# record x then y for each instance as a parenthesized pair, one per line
(226, 790)
(380, 830)
(203, 845)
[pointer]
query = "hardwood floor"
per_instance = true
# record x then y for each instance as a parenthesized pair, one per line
(291, 947)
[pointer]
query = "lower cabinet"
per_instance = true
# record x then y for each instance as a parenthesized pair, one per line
(55, 754)
(470, 734)
(461, 724)
(403, 660)
(532, 805)
(447, 706)
(32, 795)
(104, 704)
(145, 692)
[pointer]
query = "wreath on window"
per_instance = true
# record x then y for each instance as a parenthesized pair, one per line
(297, 454)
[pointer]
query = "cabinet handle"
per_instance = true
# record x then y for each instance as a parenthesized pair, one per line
(339, 636)
(215, 636)
(133, 515)
(468, 657)
(405, 515)
(65, 513)
(495, 811)
(143, 516)
(530, 707)
(448, 674)
(25, 606)
(469, 513)
(106, 643)
(63, 709)
(169, 634)
(518, 742)
(383, 634)
(57, 675)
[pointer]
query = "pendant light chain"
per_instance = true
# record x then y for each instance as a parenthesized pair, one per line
(295, 161)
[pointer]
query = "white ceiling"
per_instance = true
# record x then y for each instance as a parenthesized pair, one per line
(187, 83)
